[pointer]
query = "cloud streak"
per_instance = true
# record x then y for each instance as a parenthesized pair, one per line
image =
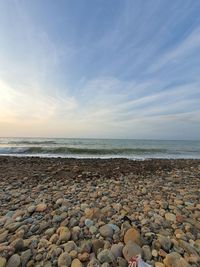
(125, 70)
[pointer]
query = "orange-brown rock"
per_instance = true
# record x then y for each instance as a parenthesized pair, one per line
(132, 235)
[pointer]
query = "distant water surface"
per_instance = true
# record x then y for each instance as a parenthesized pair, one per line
(99, 148)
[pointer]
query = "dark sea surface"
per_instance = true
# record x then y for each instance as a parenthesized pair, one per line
(99, 148)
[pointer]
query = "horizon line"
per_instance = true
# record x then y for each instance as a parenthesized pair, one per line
(96, 138)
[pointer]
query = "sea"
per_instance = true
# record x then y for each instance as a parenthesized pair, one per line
(99, 148)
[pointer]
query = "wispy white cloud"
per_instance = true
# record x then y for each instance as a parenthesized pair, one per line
(103, 79)
(189, 45)
(106, 112)
(20, 104)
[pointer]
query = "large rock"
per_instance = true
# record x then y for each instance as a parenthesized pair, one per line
(31, 208)
(106, 256)
(96, 245)
(69, 246)
(41, 207)
(76, 263)
(187, 247)
(64, 260)
(12, 227)
(170, 217)
(64, 233)
(14, 261)
(147, 255)
(2, 262)
(88, 223)
(132, 235)
(106, 231)
(122, 262)
(175, 260)
(18, 244)
(159, 264)
(92, 213)
(3, 236)
(25, 256)
(165, 242)
(94, 263)
(86, 246)
(116, 250)
(85, 256)
(131, 250)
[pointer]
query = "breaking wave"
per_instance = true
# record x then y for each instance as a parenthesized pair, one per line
(79, 151)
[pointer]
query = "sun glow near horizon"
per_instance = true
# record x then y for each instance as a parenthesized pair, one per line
(84, 77)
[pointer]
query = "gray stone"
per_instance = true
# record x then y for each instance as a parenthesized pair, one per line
(106, 231)
(165, 242)
(25, 257)
(122, 262)
(147, 255)
(131, 249)
(94, 263)
(106, 256)
(69, 246)
(18, 244)
(64, 260)
(88, 223)
(14, 261)
(116, 250)
(93, 229)
(187, 247)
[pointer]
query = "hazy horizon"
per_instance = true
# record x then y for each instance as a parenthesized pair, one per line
(100, 69)
(95, 138)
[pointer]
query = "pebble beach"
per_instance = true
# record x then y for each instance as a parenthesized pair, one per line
(99, 212)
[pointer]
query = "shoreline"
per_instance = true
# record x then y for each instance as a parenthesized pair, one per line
(99, 212)
(104, 157)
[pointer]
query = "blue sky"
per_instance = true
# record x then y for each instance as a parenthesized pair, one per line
(109, 68)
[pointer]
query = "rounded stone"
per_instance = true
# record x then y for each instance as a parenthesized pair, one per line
(165, 242)
(64, 260)
(122, 262)
(18, 244)
(3, 236)
(65, 233)
(170, 217)
(88, 223)
(31, 209)
(96, 245)
(159, 264)
(105, 256)
(106, 231)
(25, 256)
(146, 252)
(94, 263)
(131, 250)
(14, 261)
(154, 253)
(172, 259)
(85, 256)
(69, 246)
(132, 235)
(116, 250)
(93, 229)
(77, 263)
(2, 262)
(41, 207)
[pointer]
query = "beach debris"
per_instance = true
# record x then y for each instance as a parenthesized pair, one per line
(138, 262)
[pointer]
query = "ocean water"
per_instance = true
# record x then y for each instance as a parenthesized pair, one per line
(99, 148)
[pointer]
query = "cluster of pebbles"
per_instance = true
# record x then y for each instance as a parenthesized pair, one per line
(69, 212)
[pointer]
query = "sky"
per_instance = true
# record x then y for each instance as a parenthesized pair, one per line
(100, 68)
